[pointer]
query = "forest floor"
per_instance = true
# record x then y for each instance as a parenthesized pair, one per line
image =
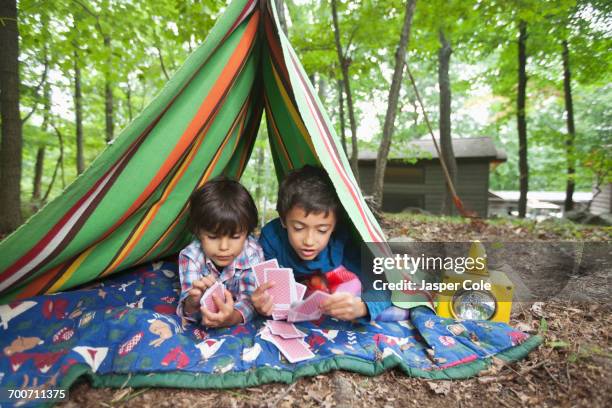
(571, 368)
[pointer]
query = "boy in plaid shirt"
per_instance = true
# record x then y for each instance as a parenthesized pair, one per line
(222, 217)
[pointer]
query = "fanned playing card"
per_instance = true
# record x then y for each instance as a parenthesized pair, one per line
(280, 314)
(300, 289)
(309, 308)
(283, 291)
(207, 300)
(260, 268)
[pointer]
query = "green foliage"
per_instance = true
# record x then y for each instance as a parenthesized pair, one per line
(149, 40)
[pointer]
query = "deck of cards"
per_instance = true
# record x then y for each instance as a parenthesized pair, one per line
(288, 339)
(287, 294)
(207, 300)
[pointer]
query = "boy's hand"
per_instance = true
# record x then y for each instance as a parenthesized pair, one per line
(226, 316)
(192, 303)
(262, 301)
(344, 306)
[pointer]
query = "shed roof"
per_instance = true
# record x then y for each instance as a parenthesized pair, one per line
(472, 147)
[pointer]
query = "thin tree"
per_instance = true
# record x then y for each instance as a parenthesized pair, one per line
(108, 85)
(521, 119)
(78, 112)
(344, 68)
(40, 154)
(340, 87)
(571, 131)
(446, 143)
(12, 141)
(389, 124)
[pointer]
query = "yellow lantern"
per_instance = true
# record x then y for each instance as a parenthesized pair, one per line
(480, 294)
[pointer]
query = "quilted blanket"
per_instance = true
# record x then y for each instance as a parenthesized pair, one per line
(123, 331)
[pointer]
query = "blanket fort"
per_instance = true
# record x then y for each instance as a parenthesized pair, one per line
(123, 332)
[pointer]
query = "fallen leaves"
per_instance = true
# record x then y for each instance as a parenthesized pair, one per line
(537, 309)
(439, 387)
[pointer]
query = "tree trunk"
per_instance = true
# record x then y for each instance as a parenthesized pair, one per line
(344, 67)
(571, 131)
(59, 165)
(161, 62)
(521, 120)
(78, 111)
(11, 147)
(341, 113)
(322, 88)
(129, 99)
(108, 93)
(40, 154)
(446, 142)
(38, 172)
(389, 125)
(280, 10)
(259, 176)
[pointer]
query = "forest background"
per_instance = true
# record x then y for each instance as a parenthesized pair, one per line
(528, 72)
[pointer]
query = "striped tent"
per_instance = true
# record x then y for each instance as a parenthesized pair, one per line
(130, 206)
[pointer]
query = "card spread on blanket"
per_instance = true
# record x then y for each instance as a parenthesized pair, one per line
(207, 299)
(294, 349)
(284, 329)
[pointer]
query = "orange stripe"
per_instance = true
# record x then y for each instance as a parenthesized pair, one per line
(210, 168)
(148, 219)
(219, 152)
(152, 212)
(36, 286)
(204, 112)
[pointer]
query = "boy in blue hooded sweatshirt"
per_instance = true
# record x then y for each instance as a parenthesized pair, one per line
(311, 237)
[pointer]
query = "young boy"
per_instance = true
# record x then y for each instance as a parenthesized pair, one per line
(222, 217)
(310, 238)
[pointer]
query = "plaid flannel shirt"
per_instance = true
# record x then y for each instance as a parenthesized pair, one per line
(238, 277)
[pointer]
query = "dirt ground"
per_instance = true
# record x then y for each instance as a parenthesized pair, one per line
(572, 367)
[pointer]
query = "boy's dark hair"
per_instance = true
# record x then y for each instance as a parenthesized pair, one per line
(222, 206)
(309, 188)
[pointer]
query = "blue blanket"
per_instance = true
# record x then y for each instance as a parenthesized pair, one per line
(124, 332)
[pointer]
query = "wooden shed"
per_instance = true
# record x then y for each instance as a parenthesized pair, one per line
(421, 184)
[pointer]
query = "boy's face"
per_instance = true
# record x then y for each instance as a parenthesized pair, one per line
(308, 234)
(222, 249)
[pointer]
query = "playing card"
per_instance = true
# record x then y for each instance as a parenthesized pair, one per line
(260, 268)
(283, 291)
(280, 314)
(207, 299)
(284, 329)
(294, 350)
(294, 316)
(300, 289)
(311, 305)
(266, 334)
